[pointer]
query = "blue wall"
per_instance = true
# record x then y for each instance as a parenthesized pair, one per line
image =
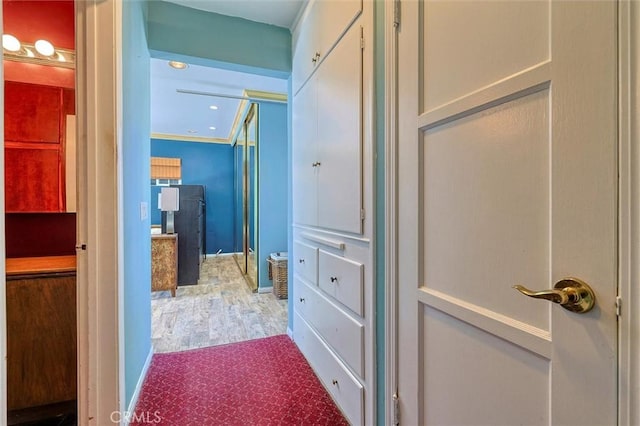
(211, 165)
(135, 157)
(273, 196)
(210, 39)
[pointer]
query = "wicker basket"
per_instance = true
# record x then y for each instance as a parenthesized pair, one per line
(278, 267)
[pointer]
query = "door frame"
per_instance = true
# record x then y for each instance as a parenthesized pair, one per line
(628, 204)
(100, 276)
(629, 212)
(99, 280)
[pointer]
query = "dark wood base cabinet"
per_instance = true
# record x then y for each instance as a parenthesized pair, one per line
(41, 331)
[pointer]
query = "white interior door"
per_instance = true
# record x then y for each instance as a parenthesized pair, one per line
(507, 175)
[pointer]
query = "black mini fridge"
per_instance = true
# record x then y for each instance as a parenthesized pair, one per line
(189, 224)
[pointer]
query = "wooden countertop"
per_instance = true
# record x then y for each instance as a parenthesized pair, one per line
(161, 236)
(40, 265)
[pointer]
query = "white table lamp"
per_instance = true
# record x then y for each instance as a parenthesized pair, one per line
(169, 201)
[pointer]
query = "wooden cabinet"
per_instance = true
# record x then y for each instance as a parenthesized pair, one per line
(328, 143)
(41, 331)
(164, 263)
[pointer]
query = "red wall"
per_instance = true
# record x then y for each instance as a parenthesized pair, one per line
(34, 132)
(32, 20)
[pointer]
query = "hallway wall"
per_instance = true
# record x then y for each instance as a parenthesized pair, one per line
(214, 40)
(272, 157)
(136, 164)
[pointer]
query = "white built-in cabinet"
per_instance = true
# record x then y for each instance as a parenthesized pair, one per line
(323, 24)
(332, 258)
(327, 130)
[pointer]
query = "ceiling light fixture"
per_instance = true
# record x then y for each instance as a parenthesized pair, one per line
(178, 65)
(45, 48)
(11, 43)
(213, 107)
(212, 128)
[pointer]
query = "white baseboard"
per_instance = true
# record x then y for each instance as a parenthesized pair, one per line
(220, 255)
(263, 290)
(136, 392)
(290, 333)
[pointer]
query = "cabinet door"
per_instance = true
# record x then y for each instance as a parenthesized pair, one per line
(32, 113)
(323, 26)
(334, 17)
(32, 177)
(339, 82)
(306, 46)
(304, 155)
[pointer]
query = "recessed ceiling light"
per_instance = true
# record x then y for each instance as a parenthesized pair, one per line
(192, 131)
(178, 65)
(214, 107)
(44, 48)
(10, 43)
(212, 128)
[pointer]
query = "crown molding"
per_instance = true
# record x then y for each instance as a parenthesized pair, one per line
(183, 138)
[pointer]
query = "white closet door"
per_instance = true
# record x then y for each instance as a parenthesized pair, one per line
(333, 19)
(305, 157)
(306, 46)
(339, 81)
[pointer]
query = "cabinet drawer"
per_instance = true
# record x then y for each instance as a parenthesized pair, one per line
(344, 334)
(343, 279)
(345, 389)
(305, 261)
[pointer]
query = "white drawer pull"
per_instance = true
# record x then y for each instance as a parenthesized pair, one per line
(334, 279)
(300, 260)
(335, 382)
(302, 299)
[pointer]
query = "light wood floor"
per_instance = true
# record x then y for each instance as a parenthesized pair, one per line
(219, 309)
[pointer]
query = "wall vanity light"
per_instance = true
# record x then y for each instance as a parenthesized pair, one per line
(42, 52)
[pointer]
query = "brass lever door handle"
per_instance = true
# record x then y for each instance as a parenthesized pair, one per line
(572, 294)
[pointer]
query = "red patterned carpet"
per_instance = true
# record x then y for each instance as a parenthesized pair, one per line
(259, 382)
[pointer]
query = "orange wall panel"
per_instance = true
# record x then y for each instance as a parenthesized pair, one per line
(32, 179)
(32, 112)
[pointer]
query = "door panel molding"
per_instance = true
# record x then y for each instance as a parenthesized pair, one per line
(525, 335)
(509, 89)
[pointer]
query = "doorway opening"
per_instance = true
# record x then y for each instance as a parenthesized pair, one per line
(209, 121)
(40, 211)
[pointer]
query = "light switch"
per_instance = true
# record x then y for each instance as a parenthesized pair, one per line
(144, 210)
